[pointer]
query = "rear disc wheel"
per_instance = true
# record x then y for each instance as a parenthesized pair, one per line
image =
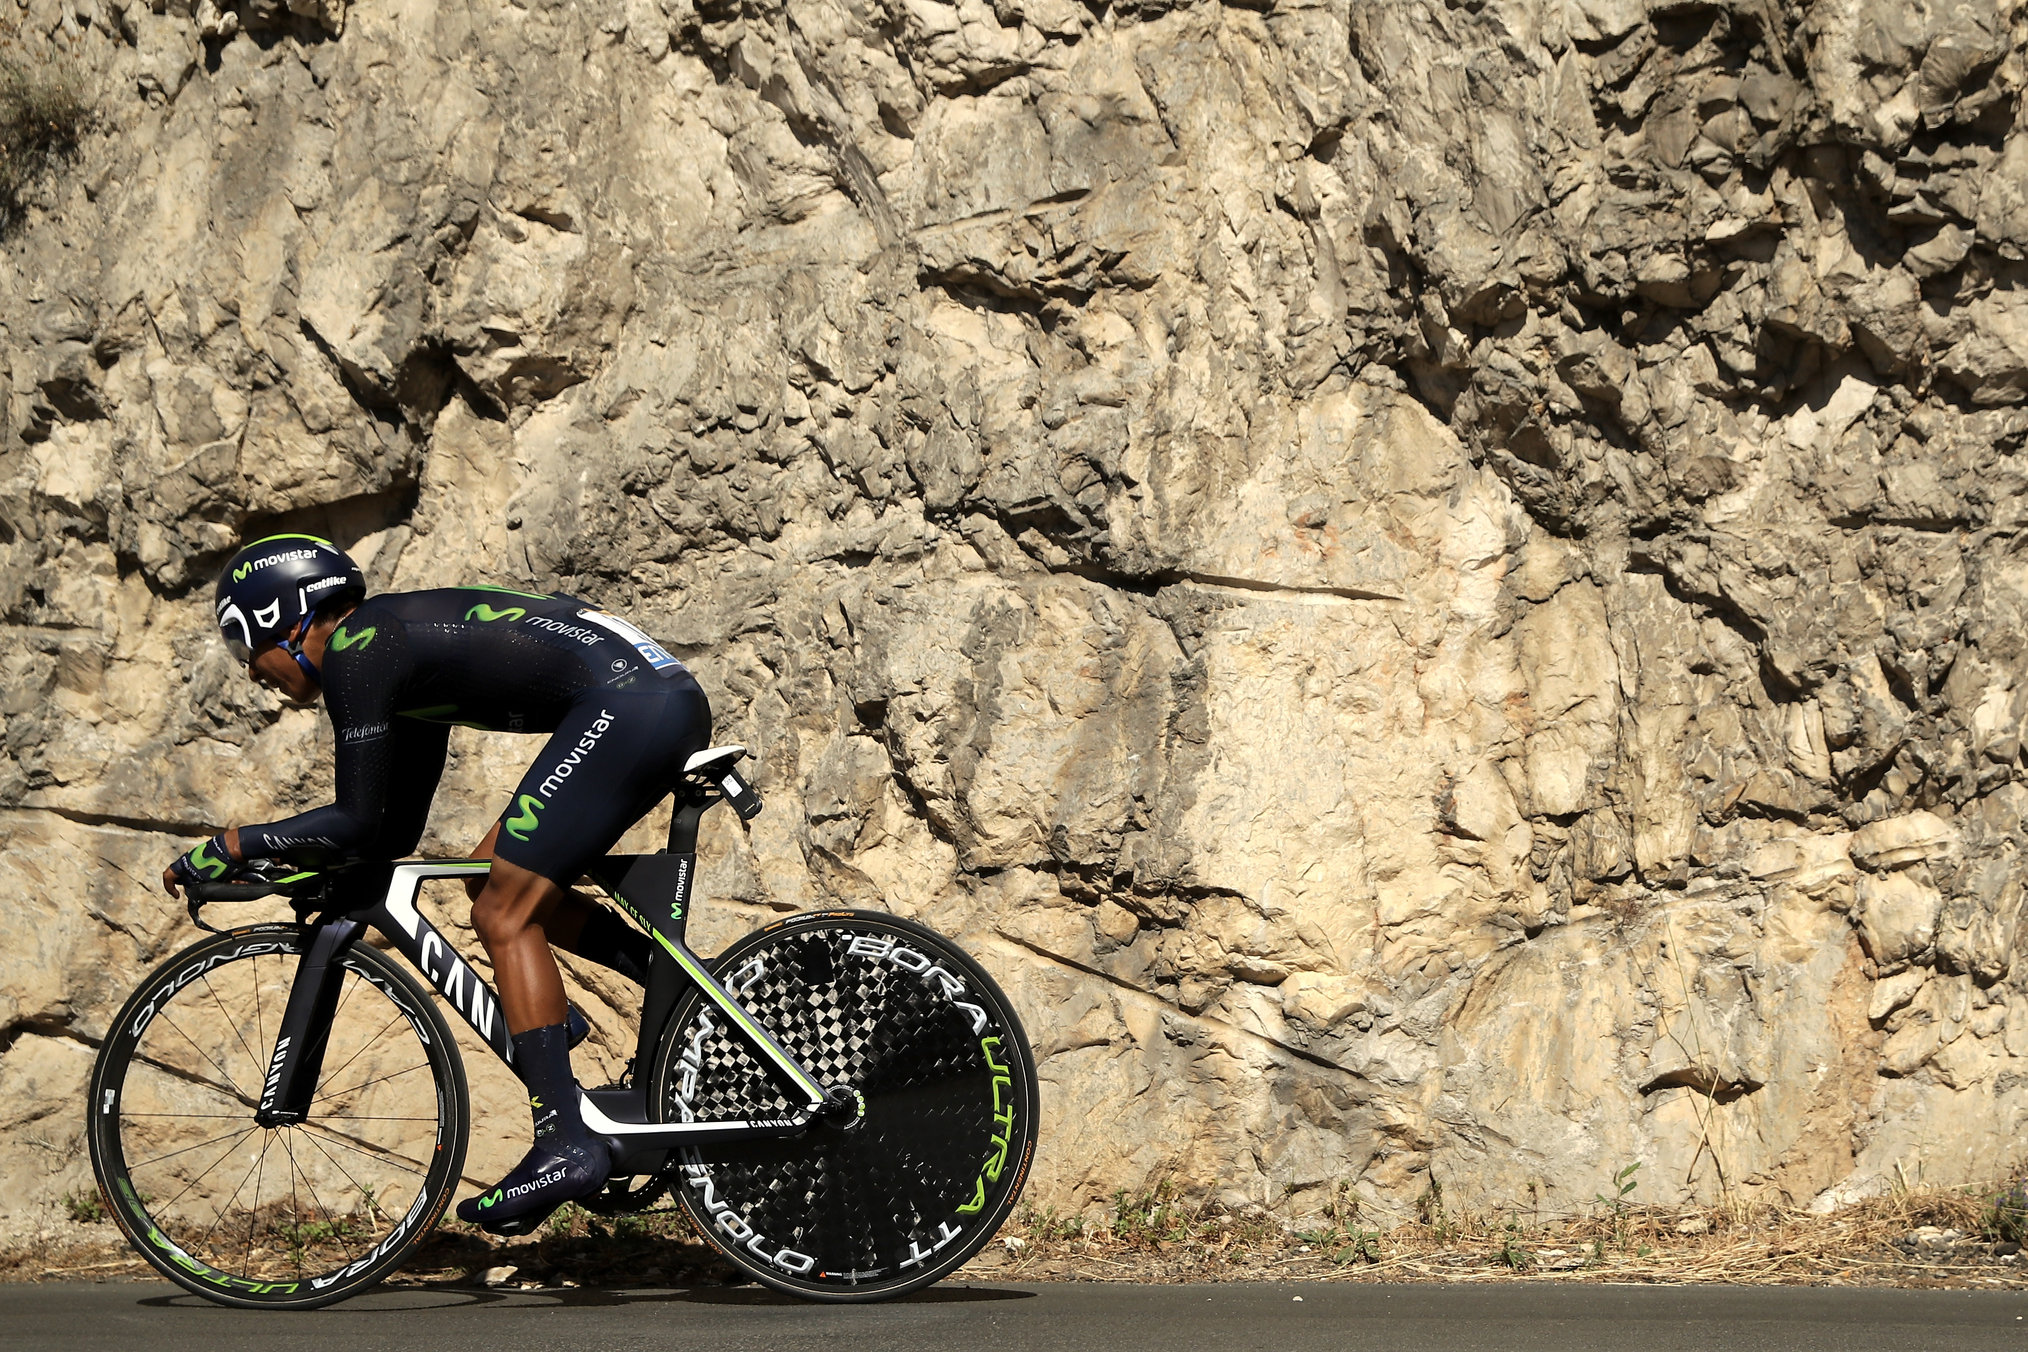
(933, 1125)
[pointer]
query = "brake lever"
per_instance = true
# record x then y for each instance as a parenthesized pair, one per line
(195, 906)
(217, 892)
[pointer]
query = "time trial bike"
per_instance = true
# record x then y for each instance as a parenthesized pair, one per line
(842, 1102)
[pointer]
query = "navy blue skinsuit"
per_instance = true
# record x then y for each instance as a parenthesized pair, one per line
(622, 717)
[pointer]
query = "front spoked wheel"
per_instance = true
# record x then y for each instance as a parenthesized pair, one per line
(874, 1202)
(290, 1216)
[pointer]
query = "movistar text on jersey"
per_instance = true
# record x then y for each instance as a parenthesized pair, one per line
(554, 779)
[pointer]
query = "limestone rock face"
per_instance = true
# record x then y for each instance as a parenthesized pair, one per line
(1434, 586)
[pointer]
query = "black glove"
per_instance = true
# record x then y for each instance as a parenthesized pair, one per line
(208, 863)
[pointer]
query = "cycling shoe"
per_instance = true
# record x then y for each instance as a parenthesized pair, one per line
(576, 1026)
(549, 1175)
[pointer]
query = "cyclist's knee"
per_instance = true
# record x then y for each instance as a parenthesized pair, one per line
(494, 918)
(509, 903)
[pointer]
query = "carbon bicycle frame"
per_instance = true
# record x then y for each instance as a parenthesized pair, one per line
(647, 886)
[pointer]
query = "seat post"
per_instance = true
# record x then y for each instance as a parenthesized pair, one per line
(690, 807)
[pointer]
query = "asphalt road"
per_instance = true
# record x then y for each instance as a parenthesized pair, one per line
(69, 1317)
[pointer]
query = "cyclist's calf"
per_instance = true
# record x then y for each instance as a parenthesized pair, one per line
(508, 915)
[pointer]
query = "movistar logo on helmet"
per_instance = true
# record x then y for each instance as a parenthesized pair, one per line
(341, 640)
(522, 826)
(485, 614)
(247, 569)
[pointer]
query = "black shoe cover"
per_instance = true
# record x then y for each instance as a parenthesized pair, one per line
(577, 1027)
(550, 1174)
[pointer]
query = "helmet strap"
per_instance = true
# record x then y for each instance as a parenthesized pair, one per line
(293, 646)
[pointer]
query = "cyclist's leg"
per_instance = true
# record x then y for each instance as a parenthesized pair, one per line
(608, 762)
(614, 755)
(509, 915)
(564, 1161)
(582, 925)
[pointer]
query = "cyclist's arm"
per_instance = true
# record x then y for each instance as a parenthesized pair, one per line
(419, 752)
(360, 687)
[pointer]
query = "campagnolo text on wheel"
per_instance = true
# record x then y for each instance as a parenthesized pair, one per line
(843, 1102)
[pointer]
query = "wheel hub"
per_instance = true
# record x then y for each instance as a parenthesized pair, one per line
(844, 1108)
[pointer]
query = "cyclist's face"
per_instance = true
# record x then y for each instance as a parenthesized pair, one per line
(278, 671)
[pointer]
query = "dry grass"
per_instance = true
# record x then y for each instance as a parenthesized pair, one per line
(1154, 1238)
(574, 1247)
(1157, 1238)
(43, 115)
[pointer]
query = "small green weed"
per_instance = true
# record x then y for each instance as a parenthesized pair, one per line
(303, 1236)
(85, 1206)
(1343, 1240)
(1361, 1246)
(1618, 1208)
(1152, 1218)
(1429, 1209)
(1047, 1226)
(2006, 1215)
(1512, 1252)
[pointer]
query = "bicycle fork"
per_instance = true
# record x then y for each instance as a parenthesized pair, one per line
(297, 1059)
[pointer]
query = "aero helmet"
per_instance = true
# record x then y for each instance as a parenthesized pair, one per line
(272, 589)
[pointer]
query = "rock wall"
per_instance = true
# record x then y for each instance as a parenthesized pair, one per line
(1437, 584)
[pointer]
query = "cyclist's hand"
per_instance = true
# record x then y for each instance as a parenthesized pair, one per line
(208, 863)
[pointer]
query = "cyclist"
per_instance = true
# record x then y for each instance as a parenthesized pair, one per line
(395, 672)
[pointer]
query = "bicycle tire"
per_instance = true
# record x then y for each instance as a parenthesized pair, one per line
(899, 1198)
(175, 1064)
